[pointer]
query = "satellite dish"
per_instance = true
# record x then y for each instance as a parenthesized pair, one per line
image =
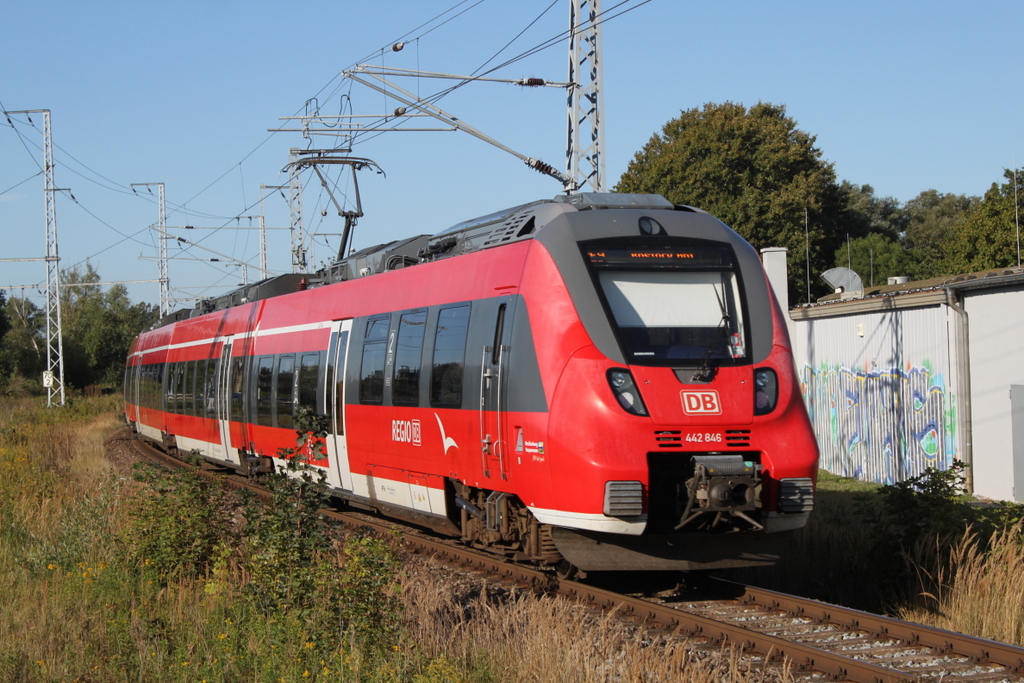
(843, 280)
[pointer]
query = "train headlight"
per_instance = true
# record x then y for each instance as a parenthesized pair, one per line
(626, 392)
(766, 391)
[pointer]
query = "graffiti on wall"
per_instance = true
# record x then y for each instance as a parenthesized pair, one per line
(881, 425)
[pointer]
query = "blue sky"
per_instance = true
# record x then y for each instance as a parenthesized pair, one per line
(904, 96)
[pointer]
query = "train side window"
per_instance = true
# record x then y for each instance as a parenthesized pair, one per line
(212, 391)
(264, 387)
(188, 373)
(406, 384)
(173, 389)
(237, 386)
(179, 388)
(167, 382)
(200, 401)
(371, 383)
(449, 357)
(286, 392)
(309, 373)
(161, 375)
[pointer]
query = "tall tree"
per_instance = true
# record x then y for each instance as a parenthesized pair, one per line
(98, 327)
(988, 237)
(865, 213)
(23, 347)
(931, 218)
(877, 257)
(753, 169)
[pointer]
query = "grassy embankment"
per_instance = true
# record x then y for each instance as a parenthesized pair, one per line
(114, 574)
(109, 574)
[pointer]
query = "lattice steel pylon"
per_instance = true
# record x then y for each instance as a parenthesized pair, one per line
(161, 229)
(295, 204)
(584, 164)
(53, 378)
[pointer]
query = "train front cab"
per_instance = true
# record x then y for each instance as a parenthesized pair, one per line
(678, 438)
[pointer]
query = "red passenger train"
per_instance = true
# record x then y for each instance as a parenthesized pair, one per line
(600, 381)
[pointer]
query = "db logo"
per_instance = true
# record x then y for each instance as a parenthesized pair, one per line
(701, 402)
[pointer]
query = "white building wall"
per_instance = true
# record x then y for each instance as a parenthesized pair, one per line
(881, 390)
(996, 346)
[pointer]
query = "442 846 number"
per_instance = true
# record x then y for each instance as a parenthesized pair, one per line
(704, 437)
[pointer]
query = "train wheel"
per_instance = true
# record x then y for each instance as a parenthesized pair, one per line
(567, 571)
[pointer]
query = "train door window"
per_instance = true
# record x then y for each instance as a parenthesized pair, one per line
(264, 389)
(286, 392)
(339, 385)
(188, 372)
(237, 387)
(499, 330)
(449, 357)
(309, 373)
(406, 383)
(371, 382)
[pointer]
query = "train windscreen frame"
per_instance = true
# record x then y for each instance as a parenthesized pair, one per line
(671, 301)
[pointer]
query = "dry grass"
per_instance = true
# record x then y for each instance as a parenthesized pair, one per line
(75, 609)
(977, 591)
(517, 637)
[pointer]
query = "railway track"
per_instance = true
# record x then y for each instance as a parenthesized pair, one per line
(813, 640)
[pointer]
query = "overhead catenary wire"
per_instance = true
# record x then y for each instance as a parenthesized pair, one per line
(457, 10)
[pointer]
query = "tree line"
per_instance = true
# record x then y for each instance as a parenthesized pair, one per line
(761, 175)
(98, 327)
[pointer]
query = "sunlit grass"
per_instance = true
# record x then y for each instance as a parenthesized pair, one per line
(79, 604)
(977, 591)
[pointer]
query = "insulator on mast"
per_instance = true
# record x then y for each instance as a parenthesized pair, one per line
(541, 167)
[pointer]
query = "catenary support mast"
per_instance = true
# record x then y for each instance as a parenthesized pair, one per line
(54, 379)
(161, 229)
(585, 148)
(53, 376)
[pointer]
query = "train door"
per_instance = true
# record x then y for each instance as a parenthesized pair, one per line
(229, 395)
(494, 449)
(133, 389)
(340, 474)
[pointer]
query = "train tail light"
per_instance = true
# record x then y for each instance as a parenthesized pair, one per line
(766, 391)
(621, 382)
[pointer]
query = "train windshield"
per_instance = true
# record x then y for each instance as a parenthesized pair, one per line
(672, 305)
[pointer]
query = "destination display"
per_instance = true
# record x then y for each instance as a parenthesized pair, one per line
(660, 257)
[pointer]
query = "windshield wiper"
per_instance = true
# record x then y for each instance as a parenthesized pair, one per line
(706, 370)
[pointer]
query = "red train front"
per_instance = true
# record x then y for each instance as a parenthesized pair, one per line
(603, 381)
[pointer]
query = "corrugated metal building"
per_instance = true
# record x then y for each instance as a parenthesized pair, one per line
(907, 376)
